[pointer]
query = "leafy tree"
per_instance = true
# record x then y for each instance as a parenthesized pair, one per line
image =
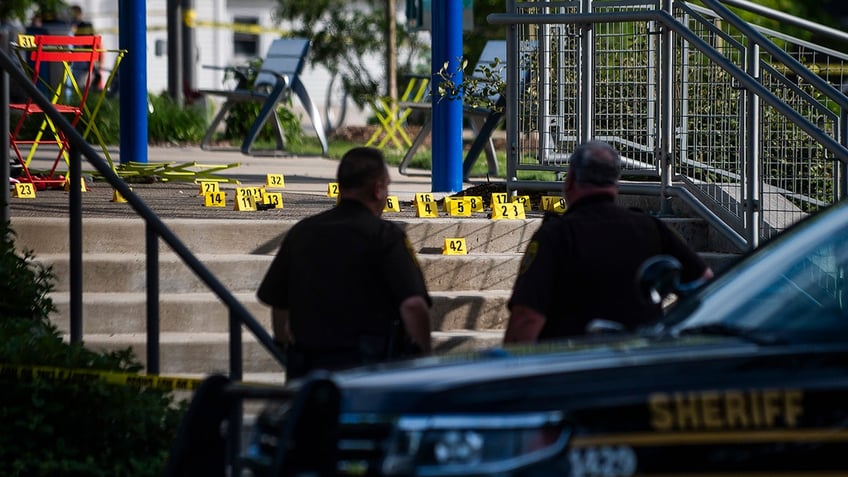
(805, 10)
(344, 35)
(824, 12)
(21, 9)
(474, 40)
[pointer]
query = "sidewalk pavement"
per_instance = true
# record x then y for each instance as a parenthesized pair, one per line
(306, 175)
(305, 193)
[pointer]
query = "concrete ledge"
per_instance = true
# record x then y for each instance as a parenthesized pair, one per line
(126, 313)
(263, 237)
(260, 237)
(120, 273)
(207, 353)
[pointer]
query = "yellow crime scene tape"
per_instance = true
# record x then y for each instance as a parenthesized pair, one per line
(190, 20)
(32, 373)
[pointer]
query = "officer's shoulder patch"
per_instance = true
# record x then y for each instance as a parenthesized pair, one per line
(529, 256)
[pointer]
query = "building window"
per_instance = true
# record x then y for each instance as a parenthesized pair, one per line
(245, 43)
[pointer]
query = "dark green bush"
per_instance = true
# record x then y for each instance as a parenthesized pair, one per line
(24, 284)
(107, 121)
(241, 117)
(167, 122)
(170, 122)
(67, 427)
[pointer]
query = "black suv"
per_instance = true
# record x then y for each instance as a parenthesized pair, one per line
(746, 375)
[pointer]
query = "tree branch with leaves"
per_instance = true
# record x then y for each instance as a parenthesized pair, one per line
(346, 36)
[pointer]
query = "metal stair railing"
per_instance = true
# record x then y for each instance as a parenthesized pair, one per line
(154, 230)
(695, 98)
(776, 187)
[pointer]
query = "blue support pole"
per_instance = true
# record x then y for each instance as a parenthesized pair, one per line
(447, 112)
(132, 37)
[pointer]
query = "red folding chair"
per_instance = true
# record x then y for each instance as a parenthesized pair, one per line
(68, 93)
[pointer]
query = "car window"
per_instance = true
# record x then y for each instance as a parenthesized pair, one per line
(807, 297)
(795, 291)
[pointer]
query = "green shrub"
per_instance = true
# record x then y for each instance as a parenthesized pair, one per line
(107, 121)
(170, 122)
(242, 115)
(67, 427)
(24, 284)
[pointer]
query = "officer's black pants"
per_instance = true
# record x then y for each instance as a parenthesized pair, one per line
(299, 361)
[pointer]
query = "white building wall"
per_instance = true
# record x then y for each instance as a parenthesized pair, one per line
(214, 43)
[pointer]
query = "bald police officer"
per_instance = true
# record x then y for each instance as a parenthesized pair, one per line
(345, 286)
(582, 266)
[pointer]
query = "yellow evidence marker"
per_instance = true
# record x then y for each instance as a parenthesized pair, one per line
(273, 199)
(524, 200)
(26, 41)
(256, 192)
(424, 197)
(215, 199)
(392, 204)
(67, 186)
(454, 246)
(333, 189)
(275, 181)
(499, 198)
(508, 211)
(426, 209)
(458, 206)
(118, 197)
(553, 203)
(476, 203)
(208, 186)
(24, 190)
(245, 202)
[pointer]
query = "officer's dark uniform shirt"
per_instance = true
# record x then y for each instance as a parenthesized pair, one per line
(342, 274)
(582, 265)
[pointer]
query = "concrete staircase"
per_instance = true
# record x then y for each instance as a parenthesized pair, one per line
(469, 292)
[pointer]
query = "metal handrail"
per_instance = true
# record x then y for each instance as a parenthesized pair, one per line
(746, 77)
(784, 17)
(838, 150)
(796, 66)
(155, 228)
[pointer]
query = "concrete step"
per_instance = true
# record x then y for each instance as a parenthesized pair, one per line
(121, 273)
(126, 272)
(202, 312)
(263, 237)
(469, 292)
(205, 353)
(260, 237)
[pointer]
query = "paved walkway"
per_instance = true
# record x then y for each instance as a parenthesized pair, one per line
(305, 192)
(308, 175)
(302, 174)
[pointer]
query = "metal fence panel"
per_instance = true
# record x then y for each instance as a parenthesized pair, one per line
(597, 72)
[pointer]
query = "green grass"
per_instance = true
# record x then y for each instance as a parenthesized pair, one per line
(171, 123)
(421, 160)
